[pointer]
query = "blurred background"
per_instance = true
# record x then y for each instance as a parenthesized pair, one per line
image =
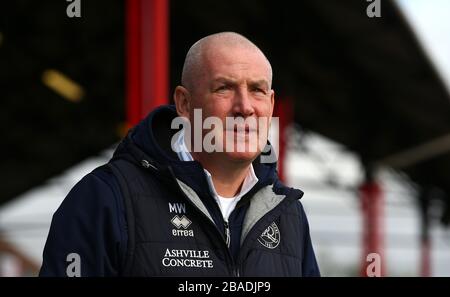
(362, 95)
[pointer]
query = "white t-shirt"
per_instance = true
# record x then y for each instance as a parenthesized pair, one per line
(226, 205)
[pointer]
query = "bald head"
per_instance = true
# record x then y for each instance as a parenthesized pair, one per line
(196, 55)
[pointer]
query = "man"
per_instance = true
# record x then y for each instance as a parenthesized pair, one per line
(165, 207)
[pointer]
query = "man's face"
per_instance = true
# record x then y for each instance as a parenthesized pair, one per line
(235, 83)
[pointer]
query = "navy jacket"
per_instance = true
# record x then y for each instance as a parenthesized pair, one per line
(147, 213)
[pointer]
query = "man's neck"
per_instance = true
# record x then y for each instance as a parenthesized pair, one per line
(227, 177)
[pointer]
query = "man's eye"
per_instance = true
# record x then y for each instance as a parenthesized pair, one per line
(259, 90)
(223, 88)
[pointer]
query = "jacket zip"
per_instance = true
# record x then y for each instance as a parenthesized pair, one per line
(227, 233)
(236, 264)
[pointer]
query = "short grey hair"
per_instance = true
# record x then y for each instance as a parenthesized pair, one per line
(194, 56)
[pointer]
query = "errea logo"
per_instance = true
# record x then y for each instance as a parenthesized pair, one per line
(181, 222)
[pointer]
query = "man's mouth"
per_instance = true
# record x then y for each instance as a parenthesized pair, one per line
(245, 130)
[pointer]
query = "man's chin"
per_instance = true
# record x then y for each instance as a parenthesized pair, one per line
(241, 157)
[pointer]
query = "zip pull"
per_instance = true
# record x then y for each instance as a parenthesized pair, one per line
(146, 164)
(227, 233)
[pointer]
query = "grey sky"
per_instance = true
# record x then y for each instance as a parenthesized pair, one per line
(429, 19)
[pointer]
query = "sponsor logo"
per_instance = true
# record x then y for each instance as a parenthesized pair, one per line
(184, 233)
(187, 258)
(270, 238)
(182, 222)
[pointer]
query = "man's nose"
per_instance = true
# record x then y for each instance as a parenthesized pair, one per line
(243, 105)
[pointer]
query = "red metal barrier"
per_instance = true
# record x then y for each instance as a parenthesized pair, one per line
(284, 109)
(372, 209)
(147, 57)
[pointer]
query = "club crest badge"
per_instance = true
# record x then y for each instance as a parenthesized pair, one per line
(270, 238)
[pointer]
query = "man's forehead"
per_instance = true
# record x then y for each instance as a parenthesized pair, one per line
(224, 59)
(235, 79)
(233, 53)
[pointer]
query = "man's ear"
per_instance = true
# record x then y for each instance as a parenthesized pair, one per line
(272, 101)
(182, 100)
